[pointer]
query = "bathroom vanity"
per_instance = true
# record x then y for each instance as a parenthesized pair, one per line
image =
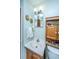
(35, 50)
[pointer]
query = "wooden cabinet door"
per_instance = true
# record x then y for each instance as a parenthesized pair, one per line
(28, 54)
(52, 32)
(34, 56)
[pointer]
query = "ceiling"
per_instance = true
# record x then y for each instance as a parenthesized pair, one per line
(35, 3)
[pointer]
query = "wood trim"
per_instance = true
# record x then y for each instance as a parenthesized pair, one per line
(54, 18)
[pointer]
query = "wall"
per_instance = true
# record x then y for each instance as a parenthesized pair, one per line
(26, 9)
(50, 7)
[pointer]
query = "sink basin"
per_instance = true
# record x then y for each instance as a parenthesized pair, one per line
(37, 47)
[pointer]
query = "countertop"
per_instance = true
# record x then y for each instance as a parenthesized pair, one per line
(37, 47)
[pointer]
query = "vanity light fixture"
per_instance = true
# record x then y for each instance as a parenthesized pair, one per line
(38, 8)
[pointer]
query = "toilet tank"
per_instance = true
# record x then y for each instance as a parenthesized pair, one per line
(53, 53)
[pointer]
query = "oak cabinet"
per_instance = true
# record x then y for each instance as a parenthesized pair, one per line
(52, 29)
(31, 55)
(34, 56)
(28, 54)
(52, 32)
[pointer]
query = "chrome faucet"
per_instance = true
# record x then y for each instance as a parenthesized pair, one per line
(38, 40)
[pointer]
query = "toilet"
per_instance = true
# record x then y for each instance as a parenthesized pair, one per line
(52, 53)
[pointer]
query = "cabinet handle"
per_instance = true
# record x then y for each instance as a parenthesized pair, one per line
(55, 32)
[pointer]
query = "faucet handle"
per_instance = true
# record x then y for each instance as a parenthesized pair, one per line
(38, 40)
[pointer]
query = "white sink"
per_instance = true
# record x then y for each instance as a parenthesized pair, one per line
(37, 47)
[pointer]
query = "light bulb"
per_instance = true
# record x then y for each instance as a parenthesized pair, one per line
(35, 10)
(41, 8)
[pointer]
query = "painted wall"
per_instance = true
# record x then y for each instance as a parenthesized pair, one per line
(25, 10)
(50, 7)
